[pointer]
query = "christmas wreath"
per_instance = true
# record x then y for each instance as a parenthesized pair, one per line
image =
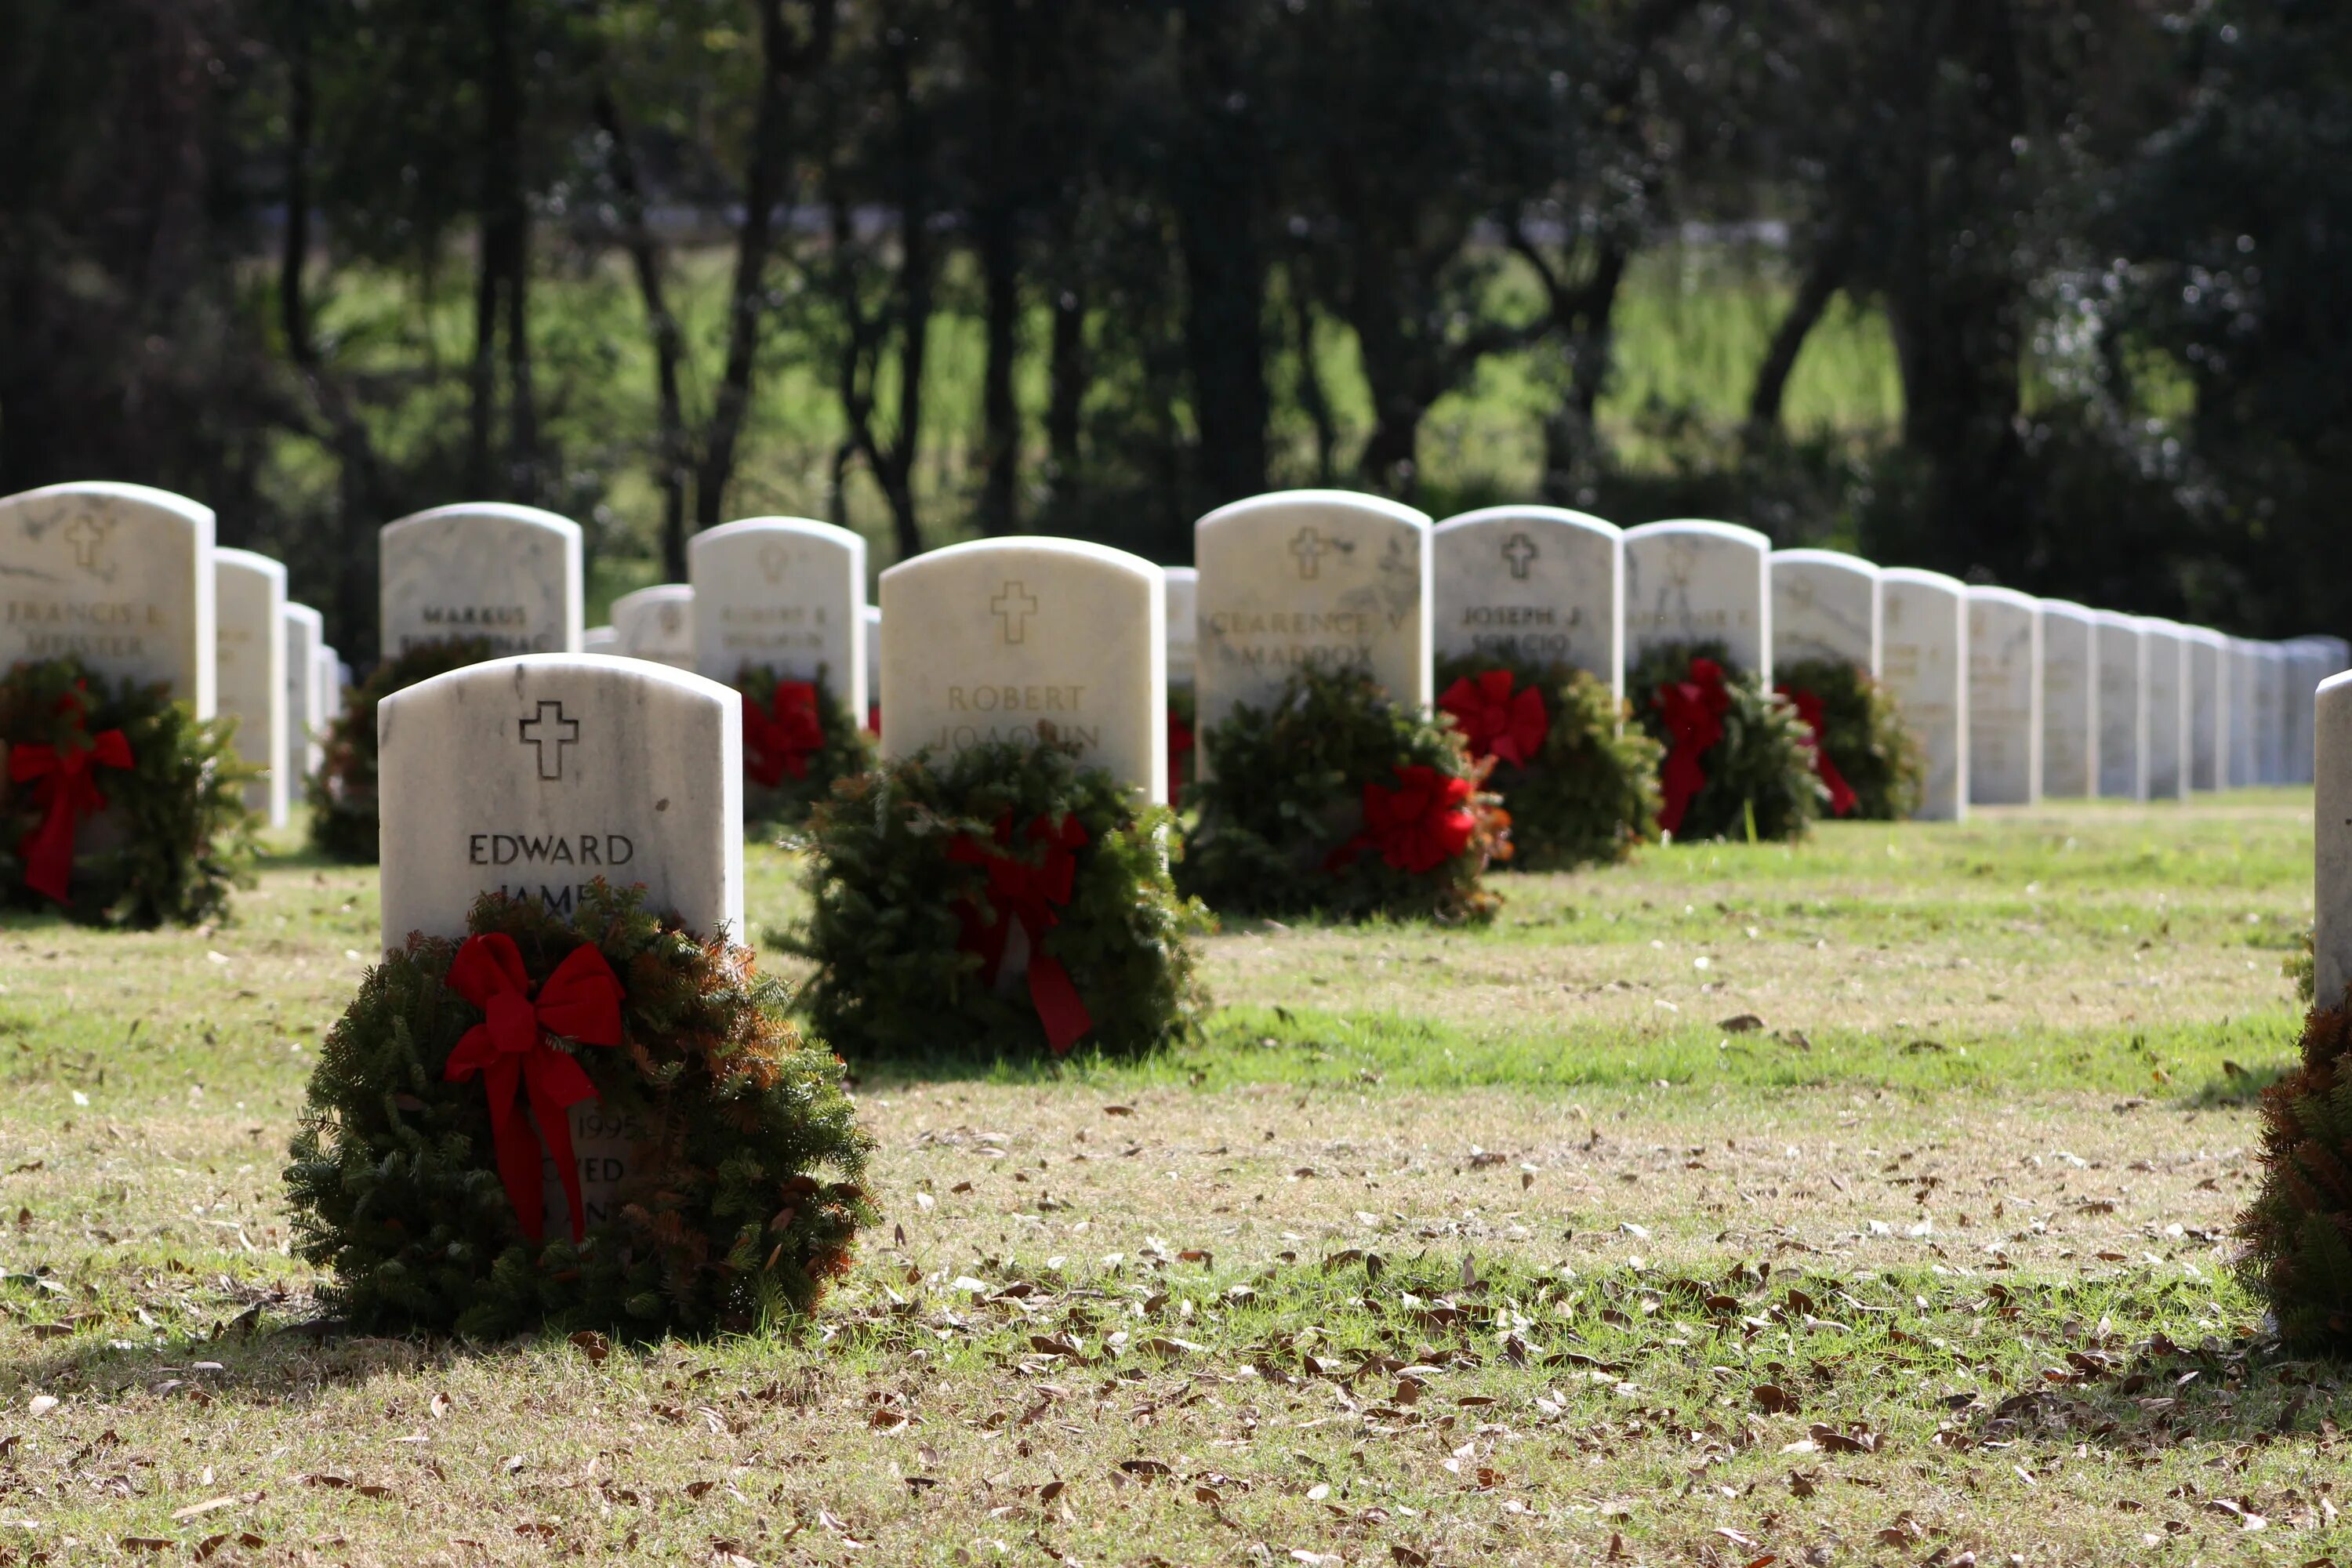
(1739, 761)
(416, 1176)
(175, 836)
(1182, 743)
(798, 737)
(1581, 786)
(1001, 901)
(342, 792)
(2298, 1229)
(1336, 801)
(1866, 757)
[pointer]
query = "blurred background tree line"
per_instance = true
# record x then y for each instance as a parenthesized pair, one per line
(2055, 293)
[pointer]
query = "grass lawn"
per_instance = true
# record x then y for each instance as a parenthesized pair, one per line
(1864, 1201)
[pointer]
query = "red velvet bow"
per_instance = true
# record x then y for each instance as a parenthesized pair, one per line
(779, 741)
(1809, 708)
(1027, 891)
(1180, 746)
(1694, 711)
(1417, 826)
(1495, 721)
(67, 792)
(582, 1003)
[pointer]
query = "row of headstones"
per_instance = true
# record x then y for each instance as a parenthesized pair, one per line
(129, 580)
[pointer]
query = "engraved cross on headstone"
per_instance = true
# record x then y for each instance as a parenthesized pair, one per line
(1309, 547)
(554, 733)
(1522, 553)
(86, 534)
(1013, 606)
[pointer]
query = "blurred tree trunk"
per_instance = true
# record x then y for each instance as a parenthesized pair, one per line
(997, 222)
(502, 261)
(1825, 275)
(1217, 198)
(673, 462)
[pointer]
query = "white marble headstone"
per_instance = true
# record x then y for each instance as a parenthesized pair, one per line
(2123, 706)
(2245, 688)
(2070, 701)
(1299, 577)
(2005, 719)
(331, 672)
(782, 594)
(535, 775)
(599, 640)
(2270, 713)
(2209, 709)
(1534, 582)
(2315, 659)
(2332, 840)
(656, 624)
(1183, 624)
(2167, 710)
(1034, 641)
(873, 667)
(249, 604)
(1924, 661)
(1825, 606)
(1699, 582)
(306, 714)
(511, 574)
(120, 576)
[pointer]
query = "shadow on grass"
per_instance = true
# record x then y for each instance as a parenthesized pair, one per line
(2240, 1087)
(2247, 1388)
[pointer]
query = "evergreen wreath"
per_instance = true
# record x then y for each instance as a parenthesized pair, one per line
(177, 836)
(753, 1171)
(342, 792)
(925, 873)
(1754, 755)
(1335, 801)
(1581, 785)
(1860, 737)
(2298, 1228)
(799, 736)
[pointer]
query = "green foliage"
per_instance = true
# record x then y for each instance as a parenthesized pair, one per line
(2298, 1228)
(2301, 967)
(174, 836)
(1864, 736)
(1760, 782)
(892, 977)
(342, 792)
(1287, 798)
(848, 750)
(1591, 793)
(743, 1201)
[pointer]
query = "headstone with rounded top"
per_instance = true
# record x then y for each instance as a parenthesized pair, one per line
(1183, 624)
(599, 640)
(1033, 641)
(509, 575)
(2167, 710)
(306, 714)
(2332, 841)
(656, 624)
(2070, 701)
(533, 776)
(2005, 719)
(249, 607)
(1532, 582)
(2209, 709)
(1923, 662)
(331, 675)
(2270, 713)
(1309, 577)
(119, 577)
(2123, 706)
(1825, 606)
(2244, 689)
(785, 595)
(1697, 582)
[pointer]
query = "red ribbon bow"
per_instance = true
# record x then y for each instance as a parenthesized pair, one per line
(1694, 711)
(1417, 826)
(67, 793)
(1025, 891)
(778, 742)
(1495, 721)
(581, 1002)
(1180, 743)
(1809, 708)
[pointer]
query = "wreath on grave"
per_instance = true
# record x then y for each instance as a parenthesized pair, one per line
(1581, 785)
(1002, 902)
(1869, 762)
(178, 836)
(2298, 1229)
(1738, 759)
(798, 738)
(1335, 801)
(416, 1176)
(1184, 742)
(342, 792)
